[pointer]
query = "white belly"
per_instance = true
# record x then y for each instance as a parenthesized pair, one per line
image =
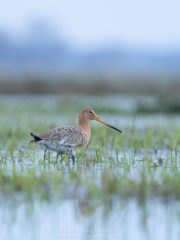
(56, 146)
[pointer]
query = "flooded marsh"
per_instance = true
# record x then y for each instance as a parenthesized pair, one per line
(122, 186)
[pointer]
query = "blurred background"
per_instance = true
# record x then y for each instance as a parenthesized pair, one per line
(120, 57)
(90, 47)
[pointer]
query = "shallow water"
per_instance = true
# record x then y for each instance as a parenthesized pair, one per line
(70, 217)
(67, 221)
(74, 214)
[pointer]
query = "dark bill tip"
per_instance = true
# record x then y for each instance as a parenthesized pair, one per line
(115, 128)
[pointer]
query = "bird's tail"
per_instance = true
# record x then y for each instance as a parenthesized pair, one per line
(36, 138)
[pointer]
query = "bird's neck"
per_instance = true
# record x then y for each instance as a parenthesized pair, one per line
(84, 123)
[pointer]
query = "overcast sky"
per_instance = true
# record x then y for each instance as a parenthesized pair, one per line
(93, 23)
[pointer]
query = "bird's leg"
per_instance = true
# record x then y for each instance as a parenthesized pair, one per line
(44, 158)
(73, 158)
(49, 156)
(57, 157)
(62, 158)
(71, 155)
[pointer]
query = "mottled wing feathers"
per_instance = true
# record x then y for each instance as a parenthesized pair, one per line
(73, 136)
(52, 134)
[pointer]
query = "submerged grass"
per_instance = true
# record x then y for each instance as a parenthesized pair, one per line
(140, 163)
(123, 179)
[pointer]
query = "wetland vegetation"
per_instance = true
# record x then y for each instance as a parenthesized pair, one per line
(116, 176)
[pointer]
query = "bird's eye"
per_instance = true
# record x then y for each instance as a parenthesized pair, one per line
(90, 112)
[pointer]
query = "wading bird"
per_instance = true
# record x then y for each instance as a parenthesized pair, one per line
(65, 140)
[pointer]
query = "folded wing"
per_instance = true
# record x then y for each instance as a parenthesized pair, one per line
(72, 136)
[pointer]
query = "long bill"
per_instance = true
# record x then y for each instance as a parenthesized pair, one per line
(107, 124)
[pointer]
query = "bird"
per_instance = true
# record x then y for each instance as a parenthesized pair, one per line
(65, 140)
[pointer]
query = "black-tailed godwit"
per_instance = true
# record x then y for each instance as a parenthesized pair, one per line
(65, 140)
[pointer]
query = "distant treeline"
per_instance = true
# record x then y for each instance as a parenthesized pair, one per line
(41, 50)
(85, 85)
